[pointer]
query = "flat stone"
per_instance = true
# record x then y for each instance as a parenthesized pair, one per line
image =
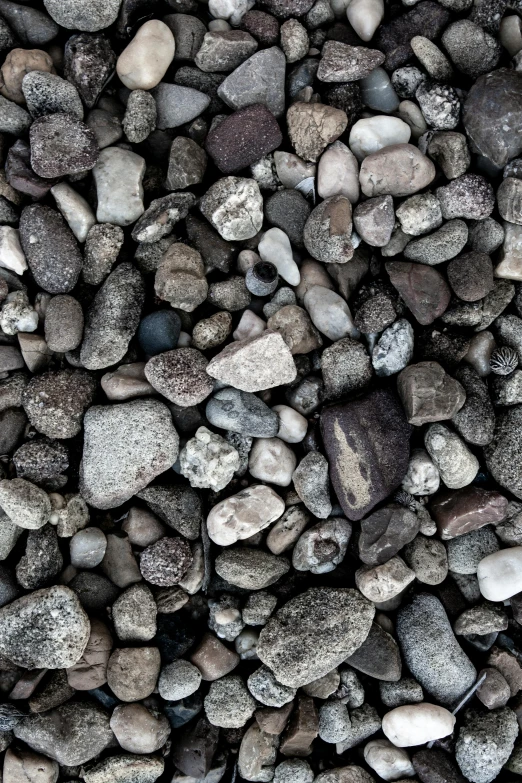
(470, 508)
(428, 393)
(258, 80)
(385, 532)
(60, 145)
(178, 104)
(139, 769)
(378, 656)
(342, 63)
(423, 289)
(397, 170)
(250, 569)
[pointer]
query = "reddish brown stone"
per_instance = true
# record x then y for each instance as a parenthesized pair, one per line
(194, 748)
(262, 26)
(272, 720)
(423, 289)
(243, 137)
(213, 658)
(303, 729)
(459, 511)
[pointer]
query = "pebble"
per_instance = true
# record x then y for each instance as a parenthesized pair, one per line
(61, 145)
(254, 364)
(388, 761)
(258, 80)
(468, 196)
(424, 290)
(75, 16)
(313, 126)
(241, 412)
(187, 164)
(88, 548)
(233, 205)
(207, 460)
(143, 64)
(243, 138)
(243, 515)
(428, 559)
(443, 245)
(385, 532)
(342, 63)
(485, 742)
(395, 170)
(415, 724)
(372, 134)
(118, 175)
(138, 729)
(338, 173)
(322, 547)
(275, 248)
(311, 484)
(228, 704)
(428, 393)
(50, 249)
(394, 348)
(498, 574)
(377, 92)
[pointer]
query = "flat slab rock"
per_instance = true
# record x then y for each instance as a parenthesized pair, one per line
(313, 633)
(367, 443)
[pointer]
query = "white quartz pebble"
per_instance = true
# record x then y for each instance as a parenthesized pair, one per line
(243, 515)
(365, 17)
(292, 425)
(330, 313)
(372, 134)
(11, 254)
(271, 460)
(250, 325)
(118, 175)
(422, 477)
(231, 10)
(88, 547)
(500, 574)
(75, 209)
(338, 173)
(275, 247)
(389, 762)
(415, 724)
(144, 62)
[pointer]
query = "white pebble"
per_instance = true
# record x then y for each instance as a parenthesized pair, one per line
(389, 762)
(144, 62)
(330, 313)
(365, 17)
(11, 254)
(510, 34)
(338, 173)
(271, 460)
(292, 425)
(415, 724)
(422, 477)
(118, 175)
(75, 209)
(372, 134)
(500, 574)
(275, 247)
(88, 547)
(250, 325)
(231, 10)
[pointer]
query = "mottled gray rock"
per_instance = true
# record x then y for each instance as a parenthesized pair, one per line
(378, 656)
(385, 532)
(311, 484)
(485, 743)
(501, 452)
(260, 79)
(187, 163)
(55, 401)
(475, 421)
(443, 244)
(228, 703)
(46, 93)
(322, 547)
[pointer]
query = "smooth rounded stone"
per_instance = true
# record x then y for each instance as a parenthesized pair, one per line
(75, 209)
(159, 332)
(377, 92)
(428, 559)
(385, 532)
(365, 16)
(291, 169)
(444, 244)
(119, 563)
(178, 105)
(127, 382)
(178, 680)
(254, 364)
(313, 126)
(372, 134)
(471, 276)
(260, 79)
(342, 63)
(312, 634)
(264, 687)
(296, 328)
(50, 248)
(207, 460)
(31, 26)
(428, 393)
(63, 324)
(334, 722)
(112, 318)
(45, 629)
(423, 289)
(17, 64)
(383, 582)
(499, 574)
(132, 672)
(140, 116)
(94, 591)
(179, 375)
(422, 476)
(485, 743)
(311, 483)
(124, 768)
(431, 57)
(327, 232)
(25, 765)
(388, 761)
(294, 40)
(494, 691)
(234, 206)
(74, 15)
(231, 294)
(293, 771)
(338, 173)
(213, 659)
(13, 119)
(374, 220)
(46, 93)
(431, 652)
(228, 704)
(71, 734)
(275, 248)
(469, 196)
(455, 462)
(395, 170)
(142, 527)
(510, 34)
(419, 214)
(404, 691)
(322, 547)
(394, 349)
(134, 614)
(415, 724)
(144, 62)
(241, 412)
(287, 529)
(138, 729)
(118, 176)
(330, 313)
(449, 149)
(243, 515)
(188, 33)
(501, 453)
(166, 562)
(273, 461)
(60, 145)
(125, 447)
(180, 278)
(26, 505)
(88, 547)
(472, 49)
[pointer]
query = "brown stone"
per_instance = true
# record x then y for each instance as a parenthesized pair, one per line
(509, 667)
(459, 511)
(213, 658)
(423, 289)
(27, 684)
(244, 137)
(296, 328)
(494, 691)
(302, 730)
(25, 766)
(367, 444)
(17, 63)
(312, 126)
(91, 670)
(194, 748)
(272, 720)
(428, 393)
(132, 672)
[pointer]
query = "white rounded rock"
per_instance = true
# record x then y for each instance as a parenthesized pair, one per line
(75, 209)
(275, 248)
(415, 724)
(422, 476)
(365, 17)
(456, 464)
(338, 173)
(243, 515)
(271, 460)
(11, 254)
(389, 762)
(371, 134)
(330, 313)
(118, 175)
(231, 10)
(144, 62)
(292, 425)
(500, 574)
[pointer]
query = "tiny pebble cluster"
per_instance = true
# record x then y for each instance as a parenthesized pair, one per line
(260, 391)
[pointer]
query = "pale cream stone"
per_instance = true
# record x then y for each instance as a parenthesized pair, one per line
(144, 62)
(365, 17)
(415, 724)
(243, 515)
(500, 574)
